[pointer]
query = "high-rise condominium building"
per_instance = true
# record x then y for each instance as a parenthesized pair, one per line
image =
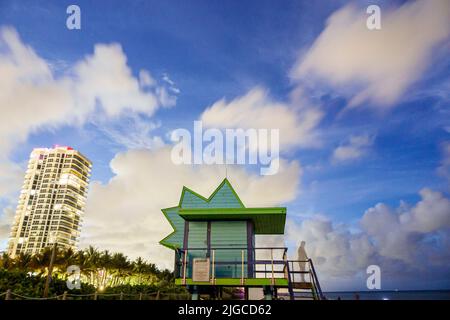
(52, 201)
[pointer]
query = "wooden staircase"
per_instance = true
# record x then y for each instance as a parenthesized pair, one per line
(305, 288)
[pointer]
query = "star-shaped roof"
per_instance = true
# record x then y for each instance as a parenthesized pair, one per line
(223, 197)
(222, 204)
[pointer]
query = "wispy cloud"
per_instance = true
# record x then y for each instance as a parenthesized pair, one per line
(132, 132)
(356, 147)
(376, 66)
(172, 85)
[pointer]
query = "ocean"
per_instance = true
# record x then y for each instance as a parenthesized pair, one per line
(390, 295)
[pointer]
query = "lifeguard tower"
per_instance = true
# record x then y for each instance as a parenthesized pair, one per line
(214, 244)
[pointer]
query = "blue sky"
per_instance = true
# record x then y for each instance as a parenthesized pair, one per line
(212, 50)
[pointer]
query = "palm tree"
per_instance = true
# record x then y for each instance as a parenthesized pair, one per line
(64, 259)
(23, 262)
(139, 266)
(121, 265)
(152, 272)
(105, 264)
(82, 261)
(93, 259)
(151, 268)
(166, 275)
(93, 255)
(6, 262)
(100, 269)
(41, 260)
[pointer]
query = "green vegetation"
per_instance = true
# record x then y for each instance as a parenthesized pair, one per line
(28, 285)
(101, 271)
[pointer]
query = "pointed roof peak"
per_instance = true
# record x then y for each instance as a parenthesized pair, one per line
(225, 180)
(224, 184)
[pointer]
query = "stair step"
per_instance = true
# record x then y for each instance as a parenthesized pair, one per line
(296, 296)
(302, 285)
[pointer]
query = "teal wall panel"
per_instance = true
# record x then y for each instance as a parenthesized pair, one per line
(197, 239)
(197, 234)
(229, 234)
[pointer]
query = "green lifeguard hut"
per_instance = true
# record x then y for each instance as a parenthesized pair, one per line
(214, 243)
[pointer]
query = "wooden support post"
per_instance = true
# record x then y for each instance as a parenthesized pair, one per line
(242, 267)
(213, 267)
(194, 295)
(273, 271)
(268, 295)
(8, 294)
(286, 265)
(157, 295)
(121, 296)
(95, 296)
(184, 267)
(140, 296)
(64, 297)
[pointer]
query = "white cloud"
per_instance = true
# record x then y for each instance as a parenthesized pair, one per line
(398, 234)
(5, 224)
(33, 98)
(11, 179)
(376, 65)
(356, 147)
(105, 78)
(256, 110)
(125, 214)
(166, 99)
(335, 251)
(407, 241)
(145, 79)
(430, 214)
